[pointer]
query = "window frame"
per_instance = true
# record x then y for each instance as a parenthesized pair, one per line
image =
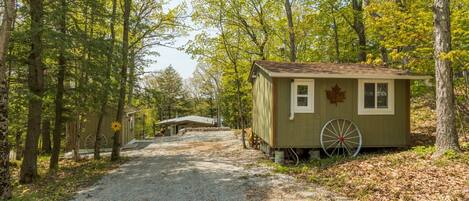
(376, 110)
(294, 96)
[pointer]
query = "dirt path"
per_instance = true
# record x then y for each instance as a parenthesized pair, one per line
(199, 166)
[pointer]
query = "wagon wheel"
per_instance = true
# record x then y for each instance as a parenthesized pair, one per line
(341, 137)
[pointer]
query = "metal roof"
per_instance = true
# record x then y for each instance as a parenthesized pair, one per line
(192, 118)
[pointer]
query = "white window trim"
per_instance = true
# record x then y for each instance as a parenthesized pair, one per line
(375, 111)
(294, 106)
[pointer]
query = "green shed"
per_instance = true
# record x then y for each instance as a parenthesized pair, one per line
(338, 108)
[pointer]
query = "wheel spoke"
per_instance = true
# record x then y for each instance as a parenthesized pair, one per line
(333, 128)
(340, 137)
(331, 145)
(352, 137)
(350, 132)
(338, 127)
(330, 136)
(347, 148)
(343, 125)
(348, 128)
(353, 142)
(335, 134)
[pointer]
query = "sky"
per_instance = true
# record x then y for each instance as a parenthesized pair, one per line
(182, 62)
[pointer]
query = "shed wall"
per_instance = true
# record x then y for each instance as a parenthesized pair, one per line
(262, 111)
(304, 130)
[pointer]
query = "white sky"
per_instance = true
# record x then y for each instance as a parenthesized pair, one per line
(181, 61)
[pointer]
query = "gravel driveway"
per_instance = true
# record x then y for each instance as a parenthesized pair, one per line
(199, 166)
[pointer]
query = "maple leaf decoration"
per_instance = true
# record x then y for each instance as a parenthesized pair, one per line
(335, 95)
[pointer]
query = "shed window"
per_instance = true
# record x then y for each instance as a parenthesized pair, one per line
(376, 97)
(302, 96)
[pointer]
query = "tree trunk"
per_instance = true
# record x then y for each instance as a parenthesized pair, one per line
(28, 171)
(291, 31)
(446, 134)
(18, 150)
(123, 81)
(97, 143)
(240, 107)
(58, 125)
(359, 27)
(46, 146)
(76, 140)
(8, 14)
(336, 40)
(384, 52)
(131, 77)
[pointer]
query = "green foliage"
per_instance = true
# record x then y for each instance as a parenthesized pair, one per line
(424, 151)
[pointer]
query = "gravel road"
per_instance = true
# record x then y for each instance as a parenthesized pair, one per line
(204, 166)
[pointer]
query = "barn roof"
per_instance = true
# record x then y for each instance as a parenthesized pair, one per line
(187, 119)
(331, 70)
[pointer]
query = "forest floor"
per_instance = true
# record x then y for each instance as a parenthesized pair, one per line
(72, 176)
(394, 174)
(201, 166)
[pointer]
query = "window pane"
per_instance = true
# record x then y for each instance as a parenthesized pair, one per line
(302, 90)
(369, 95)
(302, 101)
(382, 95)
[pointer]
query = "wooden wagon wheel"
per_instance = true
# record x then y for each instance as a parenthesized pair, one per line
(341, 137)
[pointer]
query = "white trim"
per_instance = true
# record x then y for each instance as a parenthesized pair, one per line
(375, 111)
(293, 101)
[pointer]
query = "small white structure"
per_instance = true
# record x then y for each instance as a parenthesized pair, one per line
(173, 126)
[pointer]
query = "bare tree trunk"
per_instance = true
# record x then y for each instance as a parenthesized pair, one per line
(58, 125)
(336, 40)
(291, 30)
(6, 28)
(76, 140)
(123, 81)
(446, 134)
(131, 77)
(240, 107)
(46, 146)
(18, 150)
(359, 27)
(97, 143)
(28, 171)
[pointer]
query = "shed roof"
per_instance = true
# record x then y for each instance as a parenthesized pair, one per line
(331, 70)
(186, 119)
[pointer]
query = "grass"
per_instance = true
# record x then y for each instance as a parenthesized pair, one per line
(71, 177)
(397, 175)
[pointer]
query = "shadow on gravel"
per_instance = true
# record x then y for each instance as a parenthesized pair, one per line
(177, 177)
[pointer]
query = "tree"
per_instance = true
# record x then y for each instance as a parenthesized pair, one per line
(28, 171)
(291, 30)
(106, 82)
(45, 131)
(359, 27)
(58, 126)
(8, 18)
(123, 80)
(446, 135)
